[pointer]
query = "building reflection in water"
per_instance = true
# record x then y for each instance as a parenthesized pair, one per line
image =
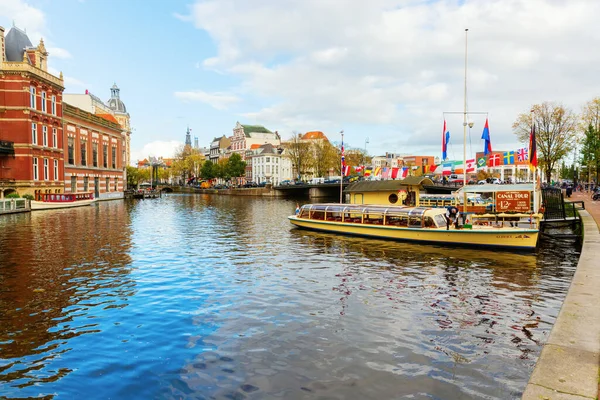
(458, 288)
(56, 266)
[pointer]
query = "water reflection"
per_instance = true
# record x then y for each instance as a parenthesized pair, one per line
(219, 297)
(59, 271)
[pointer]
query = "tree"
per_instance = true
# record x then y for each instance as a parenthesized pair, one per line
(590, 115)
(325, 157)
(221, 170)
(208, 170)
(299, 153)
(235, 166)
(590, 151)
(555, 133)
(132, 176)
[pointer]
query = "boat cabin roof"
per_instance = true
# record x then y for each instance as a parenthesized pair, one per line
(374, 209)
(492, 188)
(388, 185)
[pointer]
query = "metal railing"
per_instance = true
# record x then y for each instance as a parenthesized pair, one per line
(11, 205)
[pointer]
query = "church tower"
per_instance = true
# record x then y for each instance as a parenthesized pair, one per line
(188, 137)
(122, 116)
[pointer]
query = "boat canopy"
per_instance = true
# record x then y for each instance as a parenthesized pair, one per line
(492, 188)
(364, 208)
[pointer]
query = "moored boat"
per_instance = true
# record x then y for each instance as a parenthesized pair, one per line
(50, 201)
(420, 224)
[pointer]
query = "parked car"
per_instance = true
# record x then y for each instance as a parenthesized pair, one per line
(251, 185)
(286, 182)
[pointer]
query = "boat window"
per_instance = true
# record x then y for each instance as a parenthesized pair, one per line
(415, 221)
(440, 220)
(393, 198)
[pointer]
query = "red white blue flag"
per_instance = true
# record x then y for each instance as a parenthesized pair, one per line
(445, 141)
(487, 146)
(523, 154)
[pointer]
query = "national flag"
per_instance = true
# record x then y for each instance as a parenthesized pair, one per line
(494, 160)
(385, 173)
(509, 157)
(395, 172)
(447, 169)
(445, 141)
(432, 168)
(404, 172)
(522, 154)
(487, 146)
(346, 170)
(377, 171)
(359, 168)
(343, 155)
(533, 162)
(470, 165)
(368, 171)
(481, 162)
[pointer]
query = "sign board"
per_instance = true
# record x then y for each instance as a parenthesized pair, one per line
(519, 201)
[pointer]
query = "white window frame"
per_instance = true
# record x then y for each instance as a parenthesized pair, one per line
(35, 169)
(55, 170)
(46, 171)
(55, 138)
(45, 136)
(32, 97)
(34, 137)
(53, 105)
(44, 98)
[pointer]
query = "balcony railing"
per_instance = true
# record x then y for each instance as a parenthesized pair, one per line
(7, 147)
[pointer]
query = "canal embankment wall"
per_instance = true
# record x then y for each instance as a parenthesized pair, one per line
(569, 365)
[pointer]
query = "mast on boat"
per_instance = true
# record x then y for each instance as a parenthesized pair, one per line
(465, 134)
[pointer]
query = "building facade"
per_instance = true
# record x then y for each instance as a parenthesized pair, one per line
(244, 136)
(122, 116)
(218, 148)
(269, 164)
(94, 158)
(31, 132)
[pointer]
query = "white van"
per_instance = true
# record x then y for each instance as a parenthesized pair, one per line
(317, 181)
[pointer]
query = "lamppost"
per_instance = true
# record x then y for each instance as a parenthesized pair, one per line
(366, 143)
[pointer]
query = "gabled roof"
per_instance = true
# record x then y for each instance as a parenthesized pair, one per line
(254, 128)
(314, 135)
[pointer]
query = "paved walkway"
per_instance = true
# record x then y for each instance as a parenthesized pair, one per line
(569, 365)
(593, 207)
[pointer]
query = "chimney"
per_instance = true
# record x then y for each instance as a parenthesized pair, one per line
(2, 50)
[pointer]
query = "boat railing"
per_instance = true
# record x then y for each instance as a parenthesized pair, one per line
(64, 197)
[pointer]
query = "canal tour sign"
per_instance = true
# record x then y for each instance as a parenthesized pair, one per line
(519, 201)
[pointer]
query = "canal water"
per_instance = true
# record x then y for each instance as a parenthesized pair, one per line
(199, 296)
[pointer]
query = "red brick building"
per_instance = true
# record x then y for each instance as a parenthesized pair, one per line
(95, 153)
(31, 136)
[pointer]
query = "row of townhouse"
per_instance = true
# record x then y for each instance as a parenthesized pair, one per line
(52, 142)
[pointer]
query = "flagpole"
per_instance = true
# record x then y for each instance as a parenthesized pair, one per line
(342, 169)
(535, 191)
(465, 134)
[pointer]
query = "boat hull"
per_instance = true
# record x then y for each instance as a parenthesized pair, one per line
(47, 205)
(510, 238)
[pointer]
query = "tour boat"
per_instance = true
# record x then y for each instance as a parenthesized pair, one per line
(49, 201)
(420, 224)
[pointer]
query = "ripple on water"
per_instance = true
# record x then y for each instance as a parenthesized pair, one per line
(218, 297)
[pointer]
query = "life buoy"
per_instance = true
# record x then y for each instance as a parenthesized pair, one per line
(542, 209)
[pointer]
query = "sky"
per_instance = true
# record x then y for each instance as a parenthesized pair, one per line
(385, 72)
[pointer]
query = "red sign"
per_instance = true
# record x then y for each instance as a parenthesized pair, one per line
(513, 201)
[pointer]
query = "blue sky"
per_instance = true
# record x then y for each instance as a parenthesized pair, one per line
(385, 70)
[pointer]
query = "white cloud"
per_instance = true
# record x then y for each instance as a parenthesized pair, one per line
(155, 149)
(220, 101)
(24, 16)
(57, 52)
(390, 68)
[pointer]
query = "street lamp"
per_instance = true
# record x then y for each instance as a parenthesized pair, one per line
(366, 143)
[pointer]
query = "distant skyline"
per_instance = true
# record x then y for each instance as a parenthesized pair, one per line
(385, 70)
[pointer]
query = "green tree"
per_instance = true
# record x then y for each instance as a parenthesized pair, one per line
(133, 176)
(555, 133)
(325, 157)
(590, 151)
(208, 170)
(235, 166)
